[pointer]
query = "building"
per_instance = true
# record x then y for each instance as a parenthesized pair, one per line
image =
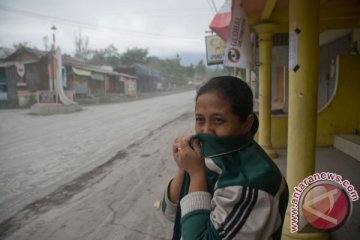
(320, 71)
(91, 80)
(27, 71)
(148, 80)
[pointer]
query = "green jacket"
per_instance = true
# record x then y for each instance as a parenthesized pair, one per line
(246, 199)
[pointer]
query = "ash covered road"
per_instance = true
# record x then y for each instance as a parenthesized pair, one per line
(94, 174)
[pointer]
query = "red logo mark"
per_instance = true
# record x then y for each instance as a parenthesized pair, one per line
(326, 206)
(233, 55)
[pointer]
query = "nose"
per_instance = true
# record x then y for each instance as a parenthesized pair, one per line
(208, 129)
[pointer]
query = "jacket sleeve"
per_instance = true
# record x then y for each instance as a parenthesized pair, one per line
(195, 217)
(167, 207)
(234, 212)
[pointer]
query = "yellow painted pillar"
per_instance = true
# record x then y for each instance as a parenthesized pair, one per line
(303, 15)
(265, 33)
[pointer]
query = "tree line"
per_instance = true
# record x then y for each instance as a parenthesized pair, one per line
(170, 68)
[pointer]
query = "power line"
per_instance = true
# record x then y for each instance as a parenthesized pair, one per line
(211, 7)
(93, 26)
(212, 1)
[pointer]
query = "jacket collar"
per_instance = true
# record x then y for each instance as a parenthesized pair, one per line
(212, 146)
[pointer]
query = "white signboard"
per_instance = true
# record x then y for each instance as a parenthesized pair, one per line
(293, 50)
(20, 69)
(238, 48)
(215, 48)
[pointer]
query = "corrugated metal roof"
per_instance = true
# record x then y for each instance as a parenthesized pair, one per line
(36, 52)
(72, 62)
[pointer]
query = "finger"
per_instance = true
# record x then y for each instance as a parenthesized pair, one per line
(197, 146)
(179, 139)
(179, 148)
(175, 148)
(186, 138)
(179, 143)
(184, 142)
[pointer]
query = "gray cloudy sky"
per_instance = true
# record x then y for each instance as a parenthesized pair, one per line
(165, 27)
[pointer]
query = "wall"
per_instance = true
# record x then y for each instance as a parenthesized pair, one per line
(11, 79)
(356, 37)
(328, 53)
(342, 113)
(32, 76)
(280, 57)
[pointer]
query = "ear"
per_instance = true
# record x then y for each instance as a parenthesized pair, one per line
(248, 123)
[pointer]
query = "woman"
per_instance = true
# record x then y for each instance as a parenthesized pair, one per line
(226, 186)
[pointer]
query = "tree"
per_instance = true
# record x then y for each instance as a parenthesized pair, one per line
(190, 71)
(175, 71)
(108, 55)
(134, 55)
(16, 46)
(112, 56)
(155, 62)
(179, 72)
(217, 70)
(82, 50)
(46, 43)
(98, 57)
(200, 69)
(171, 69)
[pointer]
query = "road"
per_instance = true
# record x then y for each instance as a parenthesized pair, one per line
(39, 154)
(91, 176)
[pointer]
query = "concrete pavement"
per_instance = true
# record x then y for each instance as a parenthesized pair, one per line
(329, 159)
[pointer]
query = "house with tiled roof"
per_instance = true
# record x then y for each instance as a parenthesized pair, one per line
(27, 71)
(24, 69)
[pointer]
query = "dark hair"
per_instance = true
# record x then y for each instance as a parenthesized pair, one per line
(237, 92)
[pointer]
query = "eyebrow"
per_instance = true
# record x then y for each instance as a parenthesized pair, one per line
(217, 115)
(212, 115)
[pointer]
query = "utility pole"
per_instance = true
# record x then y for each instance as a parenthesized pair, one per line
(54, 29)
(53, 66)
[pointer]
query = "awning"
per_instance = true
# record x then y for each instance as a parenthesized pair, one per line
(221, 22)
(97, 76)
(81, 72)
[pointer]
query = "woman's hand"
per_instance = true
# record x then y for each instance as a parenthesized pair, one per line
(188, 155)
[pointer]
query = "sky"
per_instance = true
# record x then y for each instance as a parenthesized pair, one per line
(164, 27)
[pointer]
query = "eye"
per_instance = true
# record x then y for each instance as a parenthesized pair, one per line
(199, 120)
(218, 121)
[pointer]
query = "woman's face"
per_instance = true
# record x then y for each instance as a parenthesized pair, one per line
(213, 116)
